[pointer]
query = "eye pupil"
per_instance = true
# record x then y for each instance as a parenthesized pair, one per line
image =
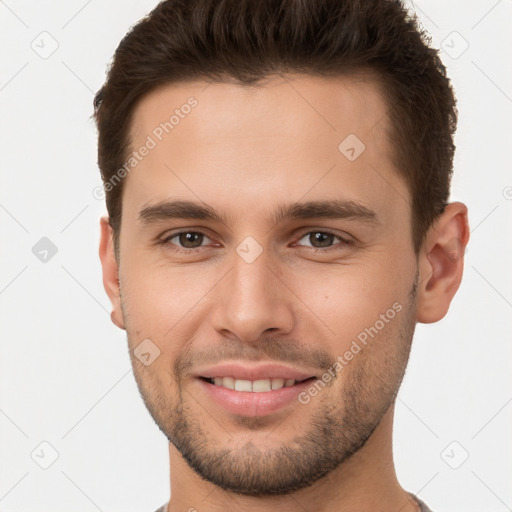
(189, 238)
(325, 239)
(194, 239)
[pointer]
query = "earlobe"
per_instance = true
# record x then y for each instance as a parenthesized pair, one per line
(110, 271)
(441, 263)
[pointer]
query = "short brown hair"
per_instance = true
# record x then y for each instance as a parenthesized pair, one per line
(248, 40)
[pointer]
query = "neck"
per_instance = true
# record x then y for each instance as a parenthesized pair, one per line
(365, 482)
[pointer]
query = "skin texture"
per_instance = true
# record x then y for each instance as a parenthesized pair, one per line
(243, 151)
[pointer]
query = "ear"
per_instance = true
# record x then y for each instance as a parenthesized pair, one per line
(441, 262)
(110, 271)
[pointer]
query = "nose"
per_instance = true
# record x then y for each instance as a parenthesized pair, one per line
(253, 299)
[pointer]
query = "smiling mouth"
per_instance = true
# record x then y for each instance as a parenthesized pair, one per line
(254, 386)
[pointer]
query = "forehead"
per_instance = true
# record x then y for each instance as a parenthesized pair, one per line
(236, 144)
(290, 105)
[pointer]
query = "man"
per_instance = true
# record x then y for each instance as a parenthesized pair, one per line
(277, 177)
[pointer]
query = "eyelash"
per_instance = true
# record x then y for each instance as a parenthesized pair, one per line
(343, 241)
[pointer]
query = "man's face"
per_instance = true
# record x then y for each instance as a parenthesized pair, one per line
(301, 291)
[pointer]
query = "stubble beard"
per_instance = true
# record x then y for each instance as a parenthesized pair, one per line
(334, 430)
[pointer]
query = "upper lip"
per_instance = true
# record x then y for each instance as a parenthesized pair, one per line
(254, 372)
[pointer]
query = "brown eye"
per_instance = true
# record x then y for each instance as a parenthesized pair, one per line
(190, 240)
(185, 240)
(323, 240)
(319, 239)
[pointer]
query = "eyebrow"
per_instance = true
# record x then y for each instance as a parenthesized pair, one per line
(330, 209)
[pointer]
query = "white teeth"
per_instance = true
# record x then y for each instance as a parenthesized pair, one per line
(228, 382)
(261, 385)
(243, 385)
(277, 383)
(256, 386)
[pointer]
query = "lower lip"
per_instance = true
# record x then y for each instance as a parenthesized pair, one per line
(248, 403)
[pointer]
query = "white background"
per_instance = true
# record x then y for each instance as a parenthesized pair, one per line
(65, 375)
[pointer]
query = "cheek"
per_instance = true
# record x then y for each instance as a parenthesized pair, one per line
(159, 301)
(335, 301)
(344, 300)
